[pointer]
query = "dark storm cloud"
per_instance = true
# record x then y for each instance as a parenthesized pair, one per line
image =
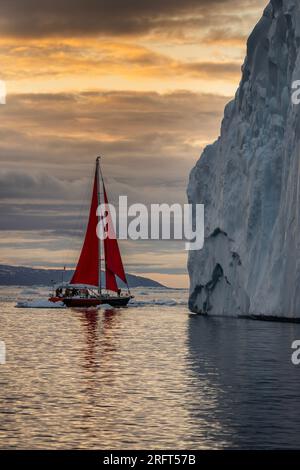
(35, 18)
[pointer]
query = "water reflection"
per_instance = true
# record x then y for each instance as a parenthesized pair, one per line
(100, 331)
(146, 377)
(248, 364)
(89, 320)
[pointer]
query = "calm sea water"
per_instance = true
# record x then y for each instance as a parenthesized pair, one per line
(150, 376)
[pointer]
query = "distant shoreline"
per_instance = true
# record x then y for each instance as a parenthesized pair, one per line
(26, 276)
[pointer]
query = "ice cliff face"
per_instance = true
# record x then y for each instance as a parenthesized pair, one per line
(249, 181)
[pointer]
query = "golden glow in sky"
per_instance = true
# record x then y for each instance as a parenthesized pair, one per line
(144, 83)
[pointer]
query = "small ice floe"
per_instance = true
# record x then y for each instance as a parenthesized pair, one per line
(39, 304)
(162, 302)
(105, 306)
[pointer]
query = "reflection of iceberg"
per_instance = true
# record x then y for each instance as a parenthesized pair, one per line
(245, 368)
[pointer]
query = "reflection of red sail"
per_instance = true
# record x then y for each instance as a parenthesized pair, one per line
(113, 261)
(87, 270)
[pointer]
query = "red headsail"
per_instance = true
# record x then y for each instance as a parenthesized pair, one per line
(113, 261)
(87, 270)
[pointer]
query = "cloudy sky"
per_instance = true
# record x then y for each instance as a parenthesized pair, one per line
(143, 83)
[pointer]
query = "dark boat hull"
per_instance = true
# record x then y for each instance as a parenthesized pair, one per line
(94, 302)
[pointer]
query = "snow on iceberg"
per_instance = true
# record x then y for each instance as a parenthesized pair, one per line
(249, 182)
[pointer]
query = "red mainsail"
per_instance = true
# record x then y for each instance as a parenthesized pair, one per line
(87, 270)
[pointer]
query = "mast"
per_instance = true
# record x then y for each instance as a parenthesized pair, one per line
(98, 170)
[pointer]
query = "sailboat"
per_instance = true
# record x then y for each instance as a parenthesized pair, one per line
(85, 288)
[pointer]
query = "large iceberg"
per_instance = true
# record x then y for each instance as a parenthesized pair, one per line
(249, 182)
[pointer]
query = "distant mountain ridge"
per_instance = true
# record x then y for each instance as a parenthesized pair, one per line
(24, 276)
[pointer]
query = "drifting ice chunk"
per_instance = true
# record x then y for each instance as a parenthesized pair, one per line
(39, 304)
